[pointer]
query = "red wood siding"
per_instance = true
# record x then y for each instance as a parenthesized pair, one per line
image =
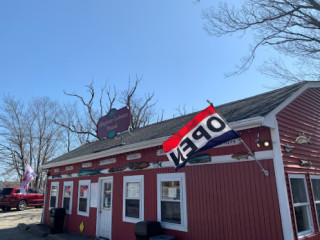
(301, 116)
(224, 201)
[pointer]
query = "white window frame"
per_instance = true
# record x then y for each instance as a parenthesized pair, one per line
(183, 226)
(315, 202)
(133, 179)
(56, 184)
(68, 184)
(87, 212)
(311, 230)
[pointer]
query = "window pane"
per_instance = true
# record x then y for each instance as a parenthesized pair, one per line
(84, 191)
(170, 190)
(54, 190)
(170, 212)
(107, 196)
(132, 208)
(302, 218)
(83, 204)
(53, 201)
(316, 189)
(67, 191)
(133, 190)
(298, 190)
(66, 203)
(6, 191)
(318, 212)
(30, 191)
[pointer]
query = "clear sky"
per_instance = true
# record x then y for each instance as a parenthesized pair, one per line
(50, 46)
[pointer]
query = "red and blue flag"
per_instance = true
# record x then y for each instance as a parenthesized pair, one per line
(206, 130)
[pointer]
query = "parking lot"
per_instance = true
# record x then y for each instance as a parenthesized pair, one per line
(11, 219)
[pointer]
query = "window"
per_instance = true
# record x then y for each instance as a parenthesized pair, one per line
(133, 198)
(172, 208)
(6, 191)
(67, 196)
(84, 197)
(39, 191)
(30, 190)
(301, 205)
(54, 192)
(315, 181)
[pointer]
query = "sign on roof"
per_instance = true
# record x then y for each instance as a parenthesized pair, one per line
(114, 122)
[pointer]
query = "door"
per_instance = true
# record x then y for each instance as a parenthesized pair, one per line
(105, 208)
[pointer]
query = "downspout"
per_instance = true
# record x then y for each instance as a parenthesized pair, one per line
(286, 221)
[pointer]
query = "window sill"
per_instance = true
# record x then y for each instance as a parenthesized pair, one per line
(172, 226)
(83, 214)
(132, 220)
(305, 234)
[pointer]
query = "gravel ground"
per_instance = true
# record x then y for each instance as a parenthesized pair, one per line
(11, 219)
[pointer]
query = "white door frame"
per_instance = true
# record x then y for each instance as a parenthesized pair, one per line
(99, 204)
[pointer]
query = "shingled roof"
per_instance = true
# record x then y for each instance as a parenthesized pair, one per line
(259, 105)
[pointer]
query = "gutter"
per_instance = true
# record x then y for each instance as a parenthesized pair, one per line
(238, 125)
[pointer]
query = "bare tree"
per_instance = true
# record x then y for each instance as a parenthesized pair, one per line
(13, 146)
(292, 27)
(29, 135)
(70, 120)
(142, 109)
(84, 123)
(44, 137)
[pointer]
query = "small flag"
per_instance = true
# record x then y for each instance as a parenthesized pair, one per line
(29, 174)
(206, 130)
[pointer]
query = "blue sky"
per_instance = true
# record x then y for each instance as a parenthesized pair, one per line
(50, 46)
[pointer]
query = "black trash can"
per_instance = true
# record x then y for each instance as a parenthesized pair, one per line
(57, 220)
(146, 229)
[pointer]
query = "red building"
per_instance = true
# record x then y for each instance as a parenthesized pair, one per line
(109, 185)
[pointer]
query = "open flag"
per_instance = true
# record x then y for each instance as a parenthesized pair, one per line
(29, 174)
(206, 130)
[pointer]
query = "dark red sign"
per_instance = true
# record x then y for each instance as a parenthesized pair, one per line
(114, 122)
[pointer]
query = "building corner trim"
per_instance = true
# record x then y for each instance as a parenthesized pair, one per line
(285, 215)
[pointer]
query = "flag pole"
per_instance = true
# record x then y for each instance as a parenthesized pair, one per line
(266, 172)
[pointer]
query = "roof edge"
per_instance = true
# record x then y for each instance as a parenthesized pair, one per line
(109, 152)
(270, 118)
(238, 125)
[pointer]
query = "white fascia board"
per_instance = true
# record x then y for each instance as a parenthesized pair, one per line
(110, 152)
(247, 123)
(239, 125)
(270, 119)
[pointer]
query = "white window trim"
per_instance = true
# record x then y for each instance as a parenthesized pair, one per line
(69, 183)
(183, 200)
(56, 184)
(311, 231)
(84, 182)
(315, 202)
(128, 179)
